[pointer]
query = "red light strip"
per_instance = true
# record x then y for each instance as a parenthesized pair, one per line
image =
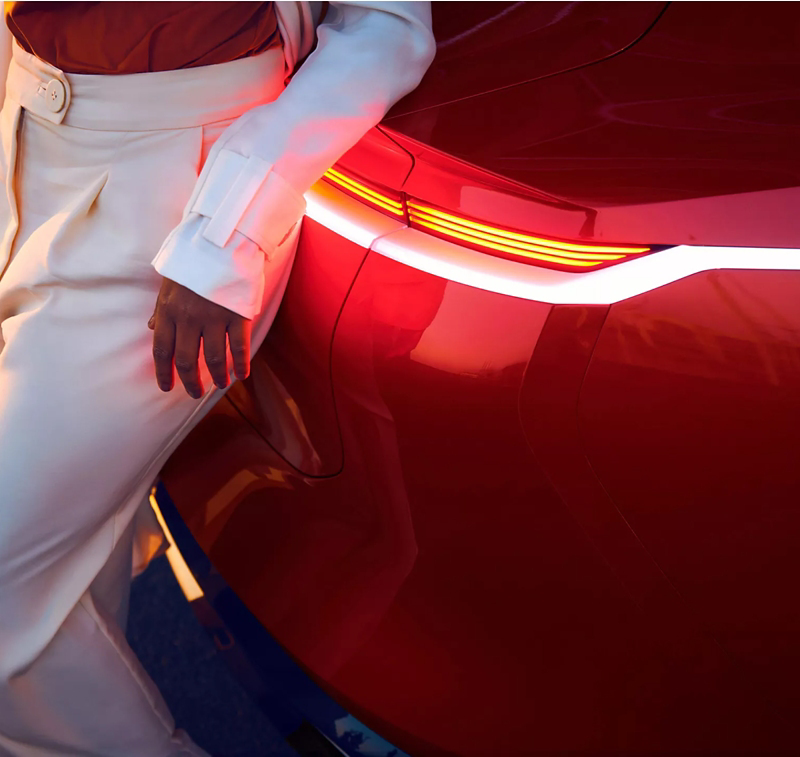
(484, 236)
(394, 207)
(503, 243)
(511, 236)
(570, 254)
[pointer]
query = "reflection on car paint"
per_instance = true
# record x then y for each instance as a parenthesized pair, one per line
(296, 702)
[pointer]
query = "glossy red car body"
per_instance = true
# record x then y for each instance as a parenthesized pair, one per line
(494, 525)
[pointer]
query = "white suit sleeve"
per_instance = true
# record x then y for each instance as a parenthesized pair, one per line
(250, 192)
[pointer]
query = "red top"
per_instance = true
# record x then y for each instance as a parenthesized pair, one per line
(129, 38)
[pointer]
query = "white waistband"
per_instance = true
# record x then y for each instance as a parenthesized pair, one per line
(177, 99)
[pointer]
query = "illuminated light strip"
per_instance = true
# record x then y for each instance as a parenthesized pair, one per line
(500, 243)
(570, 246)
(186, 580)
(347, 180)
(362, 189)
(365, 192)
(363, 195)
(603, 286)
(347, 216)
(551, 258)
(371, 229)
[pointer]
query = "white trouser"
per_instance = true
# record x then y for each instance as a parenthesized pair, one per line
(90, 193)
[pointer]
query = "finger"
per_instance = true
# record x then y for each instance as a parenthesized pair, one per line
(163, 352)
(187, 352)
(239, 338)
(151, 324)
(215, 354)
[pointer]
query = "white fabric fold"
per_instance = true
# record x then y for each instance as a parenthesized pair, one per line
(219, 182)
(229, 213)
(246, 195)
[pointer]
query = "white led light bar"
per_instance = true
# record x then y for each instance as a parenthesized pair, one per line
(425, 252)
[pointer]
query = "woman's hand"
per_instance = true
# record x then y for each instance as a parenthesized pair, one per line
(180, 321)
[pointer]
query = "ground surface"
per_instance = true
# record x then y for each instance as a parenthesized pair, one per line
(204, 698)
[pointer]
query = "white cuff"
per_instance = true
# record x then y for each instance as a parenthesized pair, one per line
(246, 195)
(238, 215)
(232, 276)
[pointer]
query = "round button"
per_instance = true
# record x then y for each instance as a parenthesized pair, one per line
(55, 95)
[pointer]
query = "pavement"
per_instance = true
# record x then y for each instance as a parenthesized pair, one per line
(203, 696)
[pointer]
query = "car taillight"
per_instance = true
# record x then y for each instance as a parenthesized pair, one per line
(381, 200)
(513, 244)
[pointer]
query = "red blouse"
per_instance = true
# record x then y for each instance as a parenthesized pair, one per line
(133, 37)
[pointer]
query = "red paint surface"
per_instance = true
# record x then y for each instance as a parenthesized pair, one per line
(468, 588)
(486, 46)
(690, 415)
(705, 106)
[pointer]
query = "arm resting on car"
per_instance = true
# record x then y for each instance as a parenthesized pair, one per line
(250, 192)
